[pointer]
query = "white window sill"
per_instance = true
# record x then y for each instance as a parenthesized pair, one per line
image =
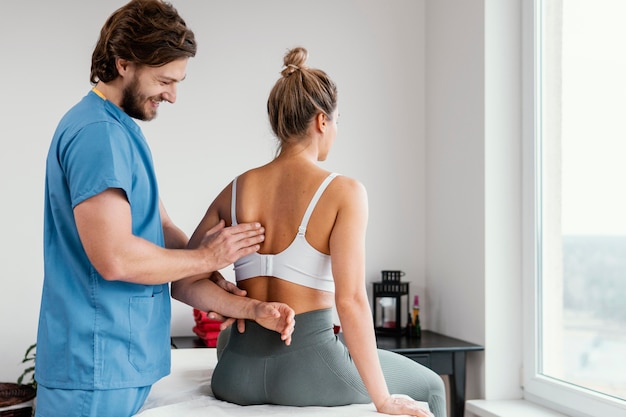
(508, 408)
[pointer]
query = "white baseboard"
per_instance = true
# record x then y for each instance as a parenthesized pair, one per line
(507, 408)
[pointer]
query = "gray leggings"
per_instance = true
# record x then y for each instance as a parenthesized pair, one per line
(256, 367)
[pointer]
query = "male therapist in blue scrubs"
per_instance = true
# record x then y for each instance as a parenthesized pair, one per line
(110, 248)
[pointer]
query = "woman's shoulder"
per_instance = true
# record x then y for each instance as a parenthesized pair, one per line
(252, 173)
(348, 192)
(348, 184)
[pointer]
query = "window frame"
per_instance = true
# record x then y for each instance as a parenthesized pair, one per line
(537, 388)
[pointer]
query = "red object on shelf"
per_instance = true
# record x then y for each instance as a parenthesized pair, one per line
(206, 329)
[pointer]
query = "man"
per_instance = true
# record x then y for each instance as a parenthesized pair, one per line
(110, 249)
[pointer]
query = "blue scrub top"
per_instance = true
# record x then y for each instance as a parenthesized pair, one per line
(93, 333)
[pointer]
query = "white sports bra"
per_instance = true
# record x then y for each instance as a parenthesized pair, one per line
(299, 263)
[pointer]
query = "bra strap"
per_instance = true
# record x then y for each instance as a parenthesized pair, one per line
(233, 203)
(313, 203)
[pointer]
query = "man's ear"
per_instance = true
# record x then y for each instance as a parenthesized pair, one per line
(122, 65)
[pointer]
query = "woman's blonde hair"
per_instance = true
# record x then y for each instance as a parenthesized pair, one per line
(298, 96)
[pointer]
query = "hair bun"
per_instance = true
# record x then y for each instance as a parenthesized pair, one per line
(294, 60)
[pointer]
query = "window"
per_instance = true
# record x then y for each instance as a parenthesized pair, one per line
(575, 205)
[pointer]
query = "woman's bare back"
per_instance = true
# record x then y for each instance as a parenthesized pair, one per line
(277, 195)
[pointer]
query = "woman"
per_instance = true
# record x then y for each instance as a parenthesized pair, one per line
(311, 217)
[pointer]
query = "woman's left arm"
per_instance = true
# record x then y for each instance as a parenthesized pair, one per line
(347, 249)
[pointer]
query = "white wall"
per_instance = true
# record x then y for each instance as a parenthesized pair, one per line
(473, 177)
(455, 230)
(373, 49)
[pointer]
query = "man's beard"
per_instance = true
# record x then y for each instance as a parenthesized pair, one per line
(133, 102)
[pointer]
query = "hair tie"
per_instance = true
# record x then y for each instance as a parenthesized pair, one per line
(289, 69)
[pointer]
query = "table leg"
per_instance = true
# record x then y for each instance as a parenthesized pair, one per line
(457, 385)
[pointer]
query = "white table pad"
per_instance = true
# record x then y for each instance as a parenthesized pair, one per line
(187, 392)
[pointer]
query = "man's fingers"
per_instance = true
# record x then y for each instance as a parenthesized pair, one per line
(226, 245)
(248, 234)
(216, 228)
(246, 230)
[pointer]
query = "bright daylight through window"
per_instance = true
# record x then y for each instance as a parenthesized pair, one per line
(582, 195)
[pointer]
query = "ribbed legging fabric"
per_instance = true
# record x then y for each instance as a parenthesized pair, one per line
(256, 367)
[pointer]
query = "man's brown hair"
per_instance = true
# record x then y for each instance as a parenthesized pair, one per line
(145, 32)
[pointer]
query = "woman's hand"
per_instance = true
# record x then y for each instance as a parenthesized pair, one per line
(403, 405)
(274, 316)
(278, 317)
